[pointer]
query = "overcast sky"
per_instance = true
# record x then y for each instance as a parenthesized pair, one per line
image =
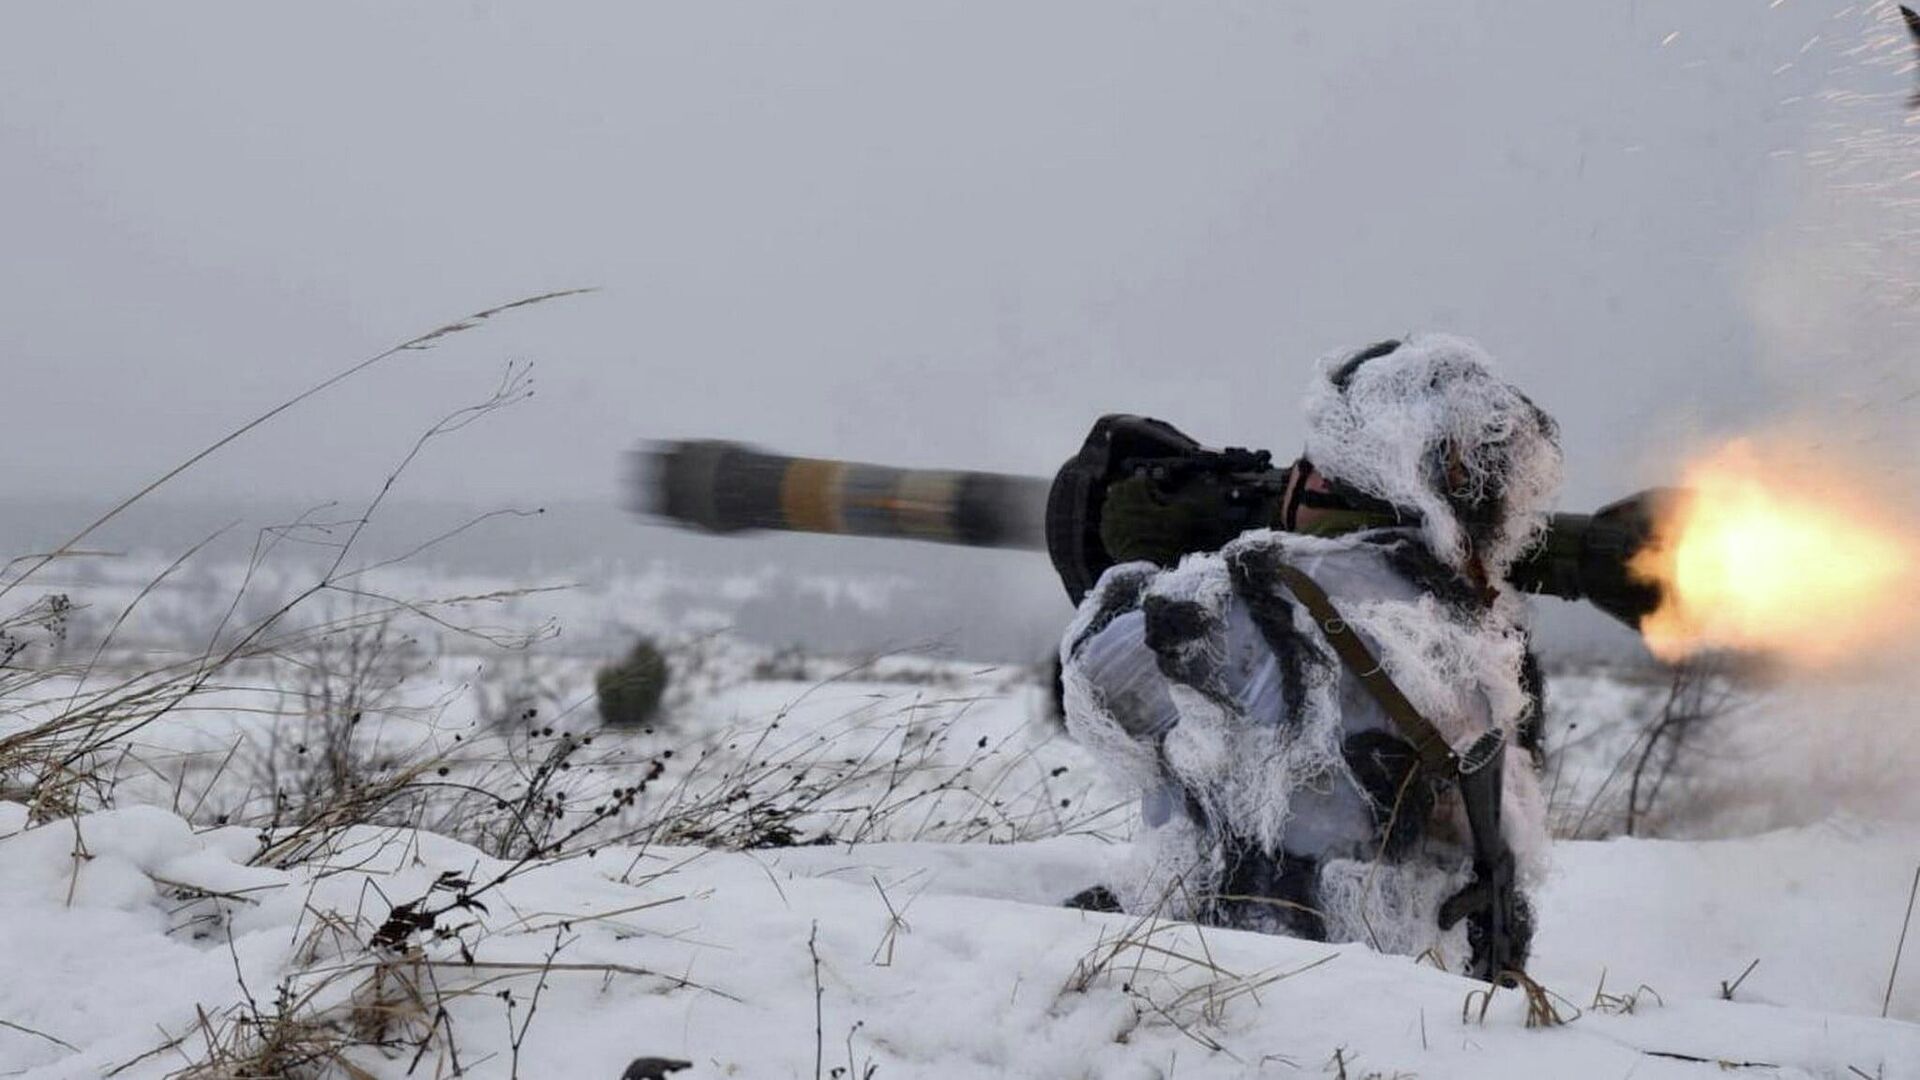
(932, 233)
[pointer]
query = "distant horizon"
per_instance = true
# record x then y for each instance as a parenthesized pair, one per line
(1003, 606)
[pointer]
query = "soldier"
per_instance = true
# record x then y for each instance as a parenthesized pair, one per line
(1282, 788)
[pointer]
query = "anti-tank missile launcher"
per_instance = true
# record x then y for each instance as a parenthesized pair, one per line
(725, 487)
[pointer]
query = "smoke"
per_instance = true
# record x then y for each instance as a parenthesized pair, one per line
(1833, 293)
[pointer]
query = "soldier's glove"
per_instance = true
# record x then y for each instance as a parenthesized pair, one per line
(1140, 519)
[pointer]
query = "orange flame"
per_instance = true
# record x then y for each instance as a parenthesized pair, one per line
(1762, 555)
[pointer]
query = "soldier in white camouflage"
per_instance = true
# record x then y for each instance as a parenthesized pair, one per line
(1277, 792)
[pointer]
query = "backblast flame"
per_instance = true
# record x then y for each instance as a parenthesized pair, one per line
(1762, 556)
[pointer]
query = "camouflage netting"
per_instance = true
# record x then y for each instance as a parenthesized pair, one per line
(1380, 420)
(1259, 758)
(1276, 793)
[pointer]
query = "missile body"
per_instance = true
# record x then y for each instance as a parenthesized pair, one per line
(725, 487)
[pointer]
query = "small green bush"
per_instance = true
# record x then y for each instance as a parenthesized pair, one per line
(630, 691)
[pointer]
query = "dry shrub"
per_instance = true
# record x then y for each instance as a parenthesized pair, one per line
(62, 727)
(629, 692)
(1660, 753)
(314, 776)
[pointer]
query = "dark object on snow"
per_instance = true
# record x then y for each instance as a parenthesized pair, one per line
(1056, 702)
(629, 692)
(654, 1068)
(1282, 888)
(1178, 495)
(1913, 27)
(1098, 898)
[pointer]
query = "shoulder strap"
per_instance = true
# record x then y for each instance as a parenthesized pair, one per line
(1353, 652)
(1501, 951)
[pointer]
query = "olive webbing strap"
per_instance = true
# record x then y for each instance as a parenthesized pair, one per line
(1417, 729)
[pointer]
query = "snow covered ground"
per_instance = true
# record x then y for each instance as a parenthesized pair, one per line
(927, 940)
(933, 960)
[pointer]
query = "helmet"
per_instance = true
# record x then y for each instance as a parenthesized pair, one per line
(1426, 427)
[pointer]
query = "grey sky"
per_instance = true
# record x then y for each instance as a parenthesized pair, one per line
(934, 233)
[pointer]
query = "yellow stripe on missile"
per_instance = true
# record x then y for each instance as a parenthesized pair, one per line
(810, 495)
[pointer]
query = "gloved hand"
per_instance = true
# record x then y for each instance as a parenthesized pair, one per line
(1140, 521)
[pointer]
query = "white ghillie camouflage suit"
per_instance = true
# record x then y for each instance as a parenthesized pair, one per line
(1274, 790)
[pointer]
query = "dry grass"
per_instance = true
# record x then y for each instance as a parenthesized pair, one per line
(372, 987)
(314, 679)
(351, 1008)
(1683, 710)
(1621, 1004)
(1170, 976)
(1544, 1006)
(65, 722)
(71, 721)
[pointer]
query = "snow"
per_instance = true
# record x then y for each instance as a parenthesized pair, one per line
(943, 948)
(936, 958)
(1819, 907)
(975, 978)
